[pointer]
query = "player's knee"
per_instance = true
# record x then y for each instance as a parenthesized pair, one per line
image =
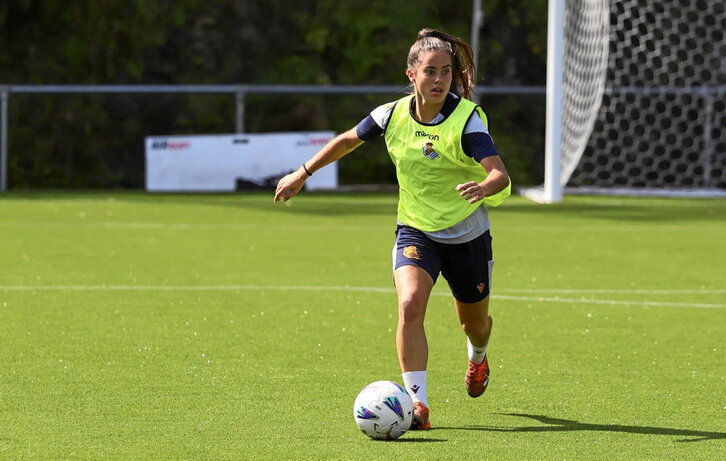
(411, 309)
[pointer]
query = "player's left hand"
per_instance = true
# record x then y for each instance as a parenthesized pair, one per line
(472, 191)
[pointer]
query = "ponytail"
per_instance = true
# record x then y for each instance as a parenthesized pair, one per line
(462, 58)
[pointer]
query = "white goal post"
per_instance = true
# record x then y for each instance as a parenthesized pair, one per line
(636, 99)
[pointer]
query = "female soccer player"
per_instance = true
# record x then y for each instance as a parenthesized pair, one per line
(447, 167)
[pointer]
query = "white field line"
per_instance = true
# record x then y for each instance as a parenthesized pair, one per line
(704, 291)
(178, 226)
(611, 302)
(536, 299)
(289, 227)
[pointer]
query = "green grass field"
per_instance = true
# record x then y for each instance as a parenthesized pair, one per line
(138, 326)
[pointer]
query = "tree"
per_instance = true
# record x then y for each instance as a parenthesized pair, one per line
(96, 141)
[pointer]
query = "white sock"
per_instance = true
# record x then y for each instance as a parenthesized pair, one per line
(415, 383)
(476, 353)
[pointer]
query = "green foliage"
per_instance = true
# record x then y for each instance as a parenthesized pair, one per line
(75, 141)
(514, 43)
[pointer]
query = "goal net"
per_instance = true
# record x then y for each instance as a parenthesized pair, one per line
(643, 100)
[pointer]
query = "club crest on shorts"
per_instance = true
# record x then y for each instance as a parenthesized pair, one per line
(481, 287)
(411, 252)
(428, 150)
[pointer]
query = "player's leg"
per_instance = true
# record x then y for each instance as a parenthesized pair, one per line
(477, 324)
(413, 286)
(467, 268)
(416, 265)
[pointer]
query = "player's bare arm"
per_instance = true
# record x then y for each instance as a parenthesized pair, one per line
(497, 180)
(336, 149)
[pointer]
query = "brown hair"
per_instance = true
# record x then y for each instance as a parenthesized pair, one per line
(462, 58)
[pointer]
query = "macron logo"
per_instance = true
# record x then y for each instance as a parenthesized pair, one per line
(423, 134)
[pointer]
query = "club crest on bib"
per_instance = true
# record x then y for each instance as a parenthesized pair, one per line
(429, 151)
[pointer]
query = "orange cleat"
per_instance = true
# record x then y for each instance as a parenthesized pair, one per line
(477, 377)
(420, 417)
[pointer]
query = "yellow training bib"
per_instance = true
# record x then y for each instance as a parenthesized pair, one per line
(430, 163)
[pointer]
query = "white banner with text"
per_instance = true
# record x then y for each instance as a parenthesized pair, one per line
(232, 162)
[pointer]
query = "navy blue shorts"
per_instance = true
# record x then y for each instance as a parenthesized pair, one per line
(465, 266)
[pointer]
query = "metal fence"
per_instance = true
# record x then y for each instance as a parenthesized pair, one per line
(237, 91)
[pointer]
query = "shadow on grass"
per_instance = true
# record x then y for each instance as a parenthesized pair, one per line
(310, 203)
(567, 425)
(340, 203)
(411, 440)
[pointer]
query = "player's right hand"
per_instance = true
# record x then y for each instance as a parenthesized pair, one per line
(289, 186)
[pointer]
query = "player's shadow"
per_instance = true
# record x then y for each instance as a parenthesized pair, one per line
(567, 425)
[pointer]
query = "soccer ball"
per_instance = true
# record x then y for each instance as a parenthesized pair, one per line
(383, 410)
